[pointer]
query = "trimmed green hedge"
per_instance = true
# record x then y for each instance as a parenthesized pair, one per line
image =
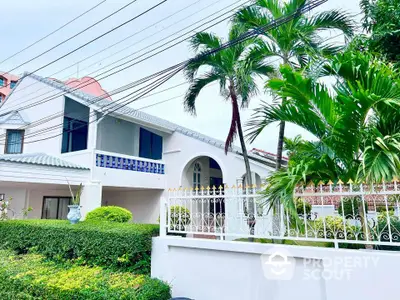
(115, 245)
(31, 277)
(110, 214)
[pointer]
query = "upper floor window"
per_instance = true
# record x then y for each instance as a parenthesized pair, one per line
(197, 175)
(14, 141)
(2, 81)
(150, 145)
(75, 134)
(13, 84)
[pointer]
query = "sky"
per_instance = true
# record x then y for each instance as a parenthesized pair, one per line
(26, 21)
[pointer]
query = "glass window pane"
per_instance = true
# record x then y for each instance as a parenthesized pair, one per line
(14, 141)
(50, 208)
(63, 208)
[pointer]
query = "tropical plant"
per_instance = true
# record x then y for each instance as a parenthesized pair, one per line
(382, 22)
(355, 124)
(294, 43)
(75, 197)
(235, 72)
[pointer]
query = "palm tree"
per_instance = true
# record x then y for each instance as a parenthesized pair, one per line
(294, 43)
(235, 72)
(356, 126)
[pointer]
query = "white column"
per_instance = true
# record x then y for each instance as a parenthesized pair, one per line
(91, 197)
(92, 130)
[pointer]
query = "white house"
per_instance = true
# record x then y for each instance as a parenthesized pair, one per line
(51, 134)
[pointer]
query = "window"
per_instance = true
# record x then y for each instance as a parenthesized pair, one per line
(150, 145)
(14, 141)
(75, 135)
(12, 84)
(2, 81)
(196, 175)
(55, 207)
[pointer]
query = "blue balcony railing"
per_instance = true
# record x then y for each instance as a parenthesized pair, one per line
(129, 164)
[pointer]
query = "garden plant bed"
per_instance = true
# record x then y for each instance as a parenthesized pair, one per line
(32, 276)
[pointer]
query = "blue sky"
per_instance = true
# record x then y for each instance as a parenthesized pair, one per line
(25, 21)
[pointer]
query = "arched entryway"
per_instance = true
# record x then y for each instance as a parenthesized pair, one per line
(255, 179)
(204, 176)
(202, 171)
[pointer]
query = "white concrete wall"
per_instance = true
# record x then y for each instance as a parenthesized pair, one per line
(119, 136)
(214, 270)
(24, 197)
(144, 204)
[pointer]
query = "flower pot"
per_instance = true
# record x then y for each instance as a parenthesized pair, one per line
(74, 214)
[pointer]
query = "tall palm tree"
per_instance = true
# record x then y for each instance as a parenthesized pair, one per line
(294, 43)
(356, 126)
(235, 72)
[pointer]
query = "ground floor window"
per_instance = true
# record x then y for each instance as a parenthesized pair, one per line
(55, 207)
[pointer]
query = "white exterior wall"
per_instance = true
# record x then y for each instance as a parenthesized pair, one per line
(181, 150)
(214, 270)
(119, 136)
(144, 204)
(27, 92)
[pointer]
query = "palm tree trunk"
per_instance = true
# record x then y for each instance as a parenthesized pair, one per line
(279, 151)
(250, 207)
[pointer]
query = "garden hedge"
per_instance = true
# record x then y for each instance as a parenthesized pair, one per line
(30, 276)
(123, 246)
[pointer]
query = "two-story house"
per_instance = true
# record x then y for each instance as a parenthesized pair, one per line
(52, 134)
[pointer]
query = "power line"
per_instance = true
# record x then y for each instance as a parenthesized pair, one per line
(135, 63)
(51, 33)
(146, 47)
(74, 36)
(240, 39)
(130, 36)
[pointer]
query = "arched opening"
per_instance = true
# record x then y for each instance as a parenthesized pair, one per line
(255, 179)
(200, 173)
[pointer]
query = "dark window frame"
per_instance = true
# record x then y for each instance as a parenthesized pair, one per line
(58, 205)
(22, 141)
(151, 154)
(70, 132)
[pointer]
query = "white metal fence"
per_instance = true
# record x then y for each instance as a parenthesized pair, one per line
(337, 213)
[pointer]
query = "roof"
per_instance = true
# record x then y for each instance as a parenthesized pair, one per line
(39, 159)
(13, 118)
(266, 154)
(100, 102)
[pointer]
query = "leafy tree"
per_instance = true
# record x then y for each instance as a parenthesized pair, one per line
(356, 125)
(234, 71)
(382, 21)
(294, 43)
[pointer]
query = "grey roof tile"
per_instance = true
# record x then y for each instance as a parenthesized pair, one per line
(39, 159)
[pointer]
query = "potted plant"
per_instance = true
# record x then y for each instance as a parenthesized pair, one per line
(74, 214)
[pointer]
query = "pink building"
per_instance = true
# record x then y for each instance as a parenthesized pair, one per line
(7, 83)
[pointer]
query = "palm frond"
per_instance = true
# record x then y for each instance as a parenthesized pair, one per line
(205, 41)
(195, 88)
(333, 19)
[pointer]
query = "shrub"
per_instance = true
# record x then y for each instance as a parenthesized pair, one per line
(180, 217)
(334, 228)
(114, 245)
(110, 214)
(302, 206)
(31, 277)
(351, 207)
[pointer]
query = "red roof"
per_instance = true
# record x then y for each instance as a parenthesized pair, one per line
(266, 153)
(88, 85)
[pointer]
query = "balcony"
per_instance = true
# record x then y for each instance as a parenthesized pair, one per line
(114, 169)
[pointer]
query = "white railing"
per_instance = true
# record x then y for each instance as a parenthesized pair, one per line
(337, 213)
